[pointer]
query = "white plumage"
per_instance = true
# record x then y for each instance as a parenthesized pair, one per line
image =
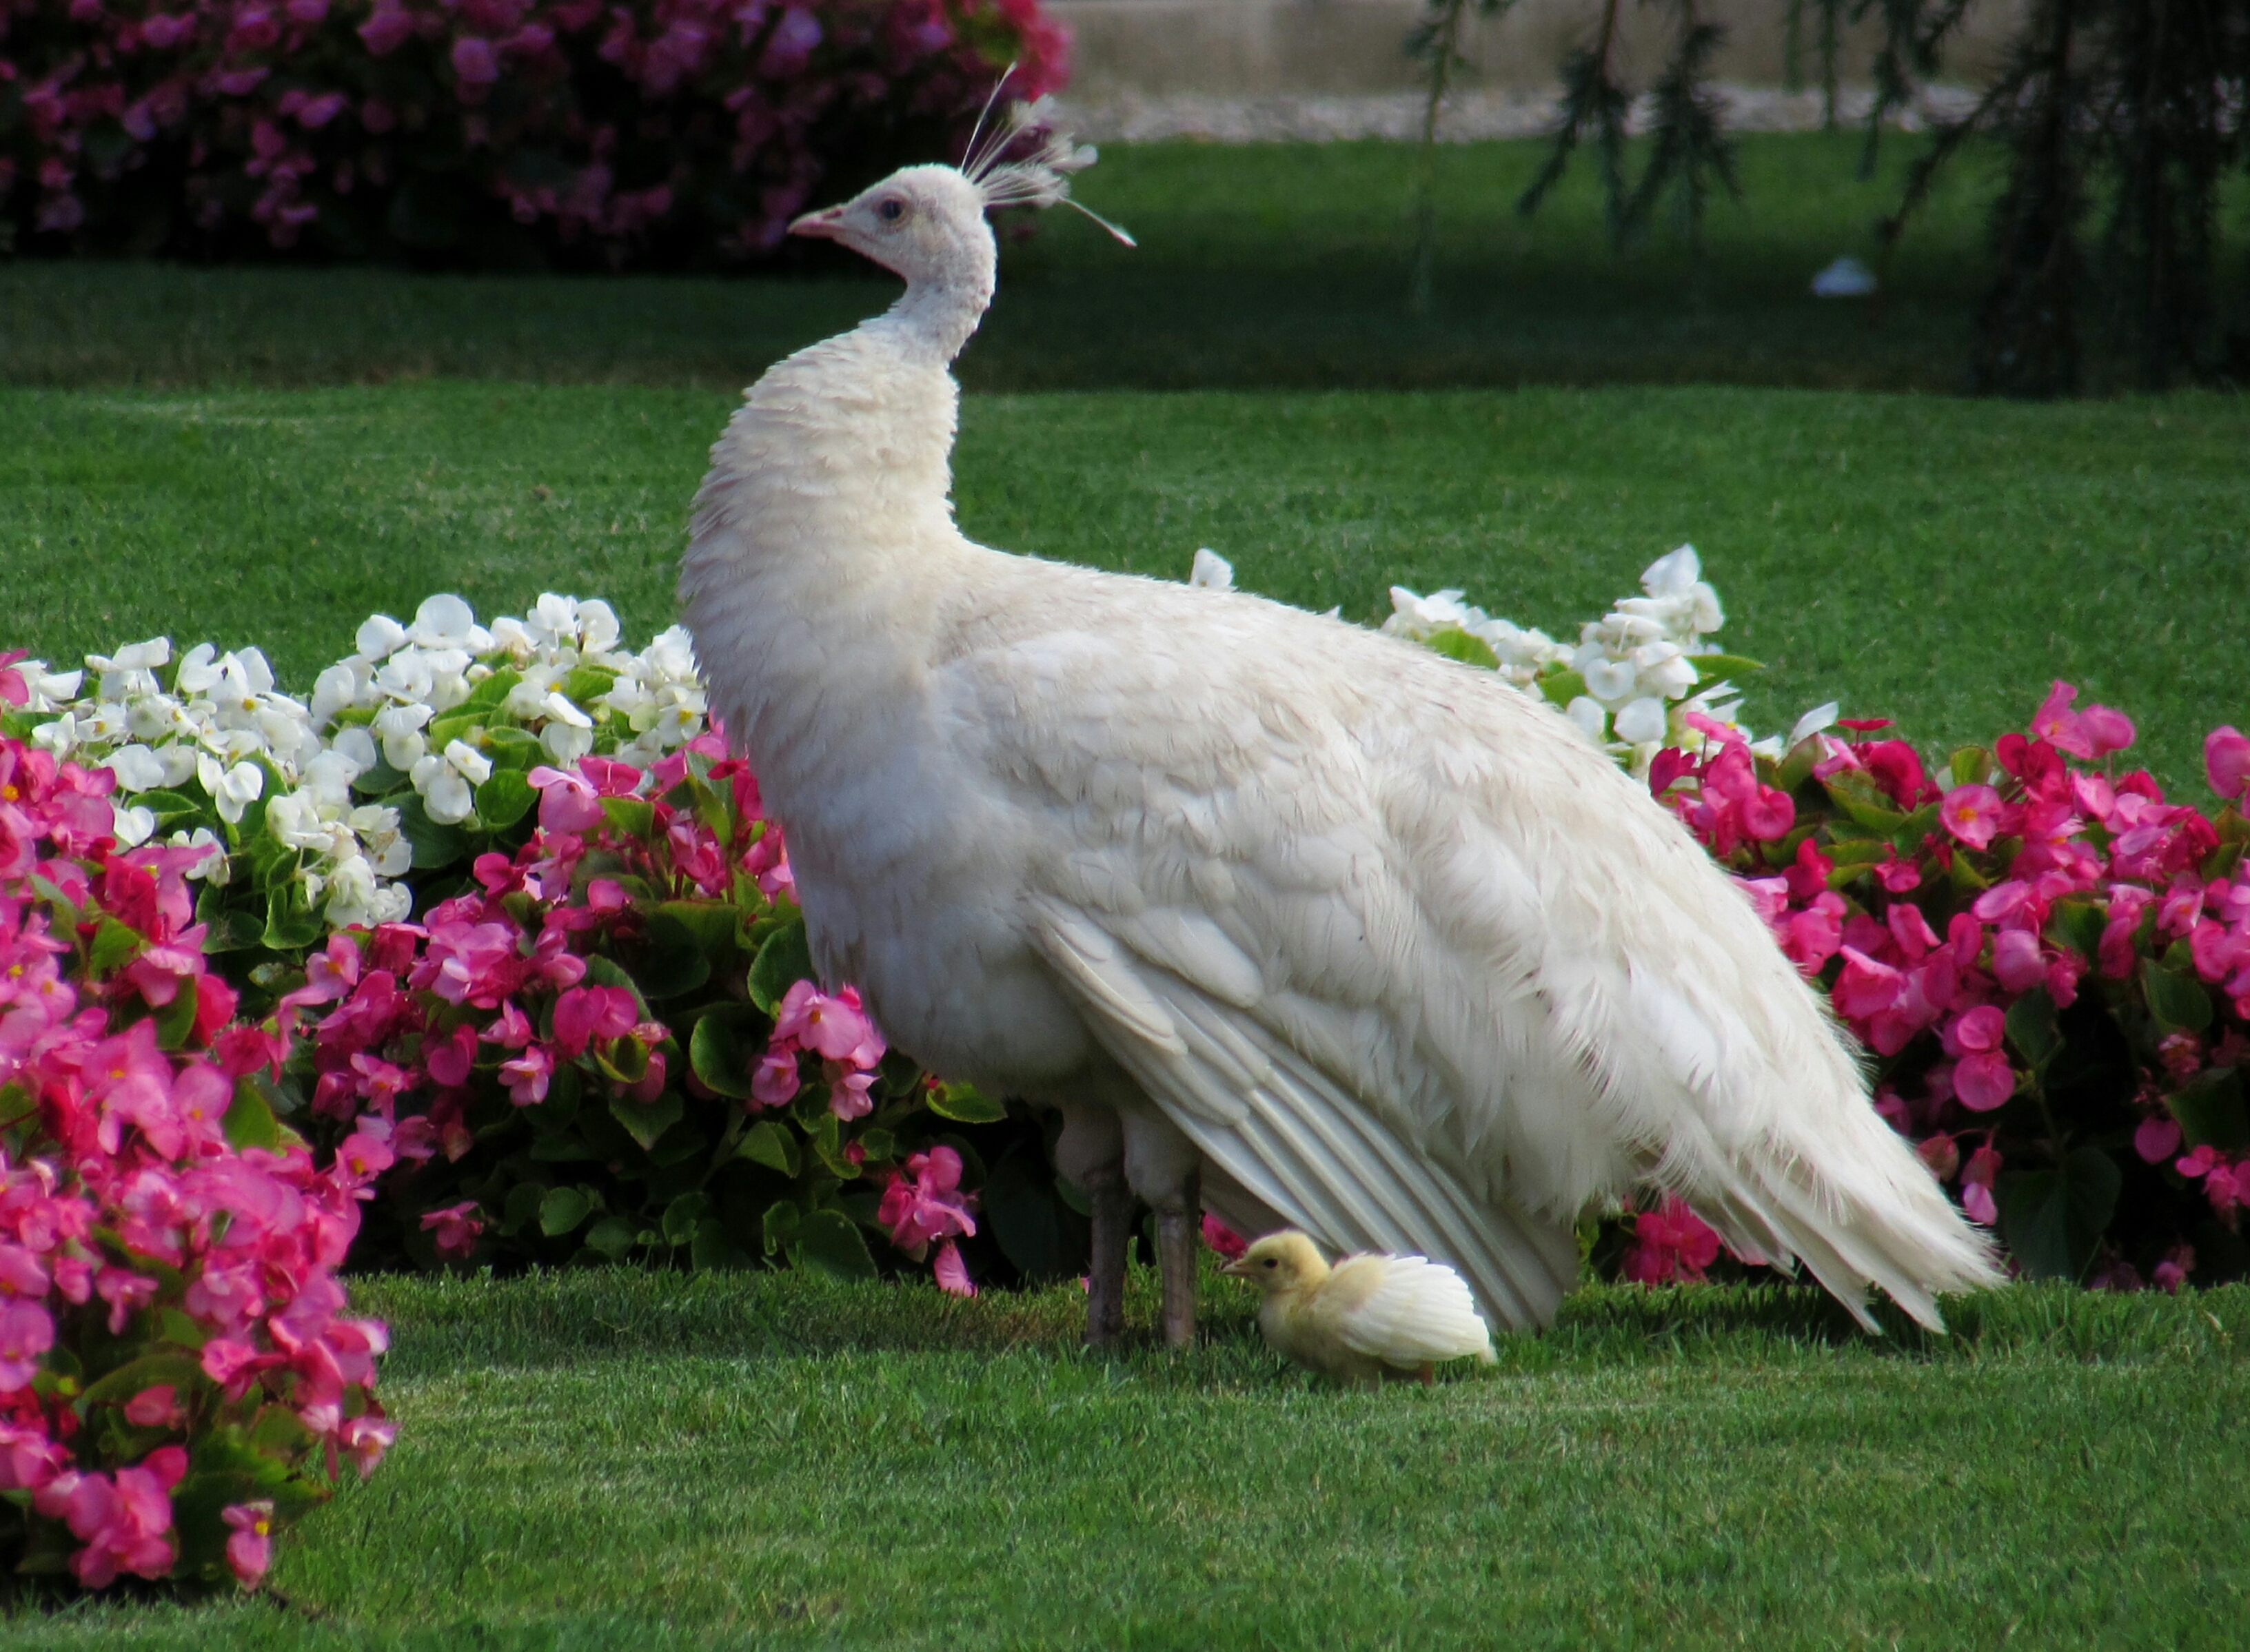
(1366, 941)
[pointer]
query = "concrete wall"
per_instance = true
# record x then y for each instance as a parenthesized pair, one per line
(1265, 48)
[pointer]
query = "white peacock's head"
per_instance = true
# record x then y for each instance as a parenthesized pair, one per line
(927, 222)
(923, 223)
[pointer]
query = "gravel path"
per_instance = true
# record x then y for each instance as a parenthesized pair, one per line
(1467, 118)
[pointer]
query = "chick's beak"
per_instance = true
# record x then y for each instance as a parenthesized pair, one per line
(1239, 1268)
(821, 226)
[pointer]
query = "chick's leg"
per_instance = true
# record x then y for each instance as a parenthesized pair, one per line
(1091, 1154)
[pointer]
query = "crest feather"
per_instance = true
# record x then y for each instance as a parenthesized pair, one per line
(1039, 171)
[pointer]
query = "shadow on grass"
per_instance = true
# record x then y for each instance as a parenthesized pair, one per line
(442, 1323)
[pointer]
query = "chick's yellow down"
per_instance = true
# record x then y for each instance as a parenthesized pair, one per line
(1368, 1317)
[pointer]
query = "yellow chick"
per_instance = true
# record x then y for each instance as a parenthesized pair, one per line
(1368, 1318)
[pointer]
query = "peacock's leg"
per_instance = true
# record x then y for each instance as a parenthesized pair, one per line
(1111, 1203)
(1091, 1154)
(1178, 1219)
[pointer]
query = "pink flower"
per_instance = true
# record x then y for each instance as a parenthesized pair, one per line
(2017, 961)
(125, 1522)
(775, 1082)
(365, 1439)
(1671, 1243)
(475, 64)
(157, 1407)
(586, 1013)
(1222, 1238)
(527, 1074)
(2227, 761)
(836, 1027)
(2156, 1139)
(26, 1332)
(952, 1272)
(1972, 814)
(924, 1202)
(28, 1459)
(1983, 1080)
(848, 1097)
(249, 1549)
(567, 803)
(1977, 1186)
(457, 1227)
(2171, 1273)
(449, 1060)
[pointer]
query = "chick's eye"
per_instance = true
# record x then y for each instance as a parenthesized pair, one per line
(891, 210)
(1269, 1261)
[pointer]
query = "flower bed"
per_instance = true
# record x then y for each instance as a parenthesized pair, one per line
(176, 1372)
(662, 133)
(485, 953)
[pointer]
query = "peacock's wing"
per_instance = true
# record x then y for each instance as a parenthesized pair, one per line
(1404, 954)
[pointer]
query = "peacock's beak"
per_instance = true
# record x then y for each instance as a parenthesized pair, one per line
(821, 226)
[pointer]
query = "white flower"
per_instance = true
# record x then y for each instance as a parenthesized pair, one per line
(1641, 720)
(509, 635)
(379, 636)
(400, 727)
(179, 760)
(294, 819)
(1663, 669)
(358, 745)
(133, 825)
(138, 769)
(1609, 680)
(231, 789)
(445, 780)
(1211, 572)
(671, 654)
(598, 626)
(352, 892)
(567, 742)
(328, 776)
(377, 827)
(197, 673)
(214, 867)
(1811, 723)
(46, 690)
(1588, 715)
(155, 717)
(447, 622)
(135, 657)
(334, 689)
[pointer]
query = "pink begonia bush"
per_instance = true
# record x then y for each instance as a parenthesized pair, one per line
(662, 133)
(2048, 960)
(177, 1371)
(609, 1044)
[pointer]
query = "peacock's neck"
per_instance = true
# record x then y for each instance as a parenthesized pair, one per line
(823, 534)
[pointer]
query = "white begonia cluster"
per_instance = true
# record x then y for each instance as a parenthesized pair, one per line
(224, 724)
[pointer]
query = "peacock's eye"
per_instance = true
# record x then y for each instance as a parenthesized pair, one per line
(891, 210)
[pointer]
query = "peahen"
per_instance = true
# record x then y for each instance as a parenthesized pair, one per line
(1298, 921)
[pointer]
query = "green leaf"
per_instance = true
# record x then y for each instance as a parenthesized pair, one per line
(563, 1209)
(517, 748)
(2209, 1109)
(2031, 1026)
(1560, 688)
(1908, 838)
(1865, 801)
(175, 1021)
(2177, 1000)
(635, 817)
(611, 1237)
(829, 1241)
(1029, 1222)
(291, 924)
(2077, 925)
(711, 1248)
(767, 1143)
(488, 694)
(784, 960)
(1971, 766)
(1455, 643)
(249, 1121)
(723, 1049)
(586, 685)
(169, 807)
(682, 1215)
(505, 799)
(2052, 1221)
(182, 1371)
(712, 922)
(672, 959)
(434, 845)
(966, 1104)
(780, 1225)
(523, 1207)
(1712, 668)
(644, 1122)
(115, 944)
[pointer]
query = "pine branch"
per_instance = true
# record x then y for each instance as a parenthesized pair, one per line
(1691, 148)
(1595, 101)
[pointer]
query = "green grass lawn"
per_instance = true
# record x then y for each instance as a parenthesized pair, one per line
(619, 1460)
(1932, 558)
(1266, 265)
